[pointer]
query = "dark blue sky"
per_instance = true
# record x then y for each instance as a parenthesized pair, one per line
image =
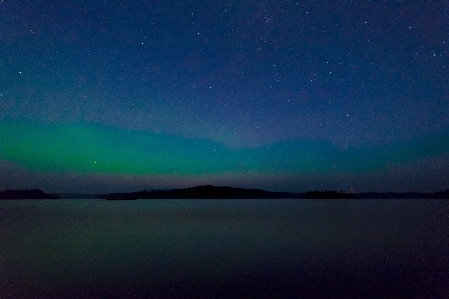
(319, 81)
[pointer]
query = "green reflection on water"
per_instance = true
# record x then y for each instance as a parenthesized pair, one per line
(77, 244)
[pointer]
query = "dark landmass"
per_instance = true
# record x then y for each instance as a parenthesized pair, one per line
(213, 192)
(26, 194)
(201, 192)
(405, 195)
(76, 196)
(329, 195)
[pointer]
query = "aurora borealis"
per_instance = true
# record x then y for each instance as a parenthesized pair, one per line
(278, 95)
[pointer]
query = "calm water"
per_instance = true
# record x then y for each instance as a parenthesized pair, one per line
(224, 248)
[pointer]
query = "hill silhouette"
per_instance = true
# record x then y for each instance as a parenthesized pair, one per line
(328, 195)
(214, 192)
(223, 192)
(201, 192)
(26, 194)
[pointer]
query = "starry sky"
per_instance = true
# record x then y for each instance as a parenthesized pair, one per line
(106, 96)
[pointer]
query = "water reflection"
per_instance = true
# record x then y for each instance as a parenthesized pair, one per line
(262, 248)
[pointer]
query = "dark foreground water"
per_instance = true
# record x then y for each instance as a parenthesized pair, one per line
(224, 248)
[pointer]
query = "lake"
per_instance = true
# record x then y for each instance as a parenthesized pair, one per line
(224, 248)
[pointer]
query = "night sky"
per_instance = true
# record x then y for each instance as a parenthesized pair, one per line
(104, 96)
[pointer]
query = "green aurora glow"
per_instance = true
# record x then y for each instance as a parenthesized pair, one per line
(99, 149)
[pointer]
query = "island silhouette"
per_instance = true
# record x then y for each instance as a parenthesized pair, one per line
(26, 194)
(220, 192)
(202, 192)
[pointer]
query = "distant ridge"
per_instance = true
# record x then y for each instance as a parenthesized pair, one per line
(405, 195)
(223, 192)
(328, 195)
(201, 192)
(26, 194)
